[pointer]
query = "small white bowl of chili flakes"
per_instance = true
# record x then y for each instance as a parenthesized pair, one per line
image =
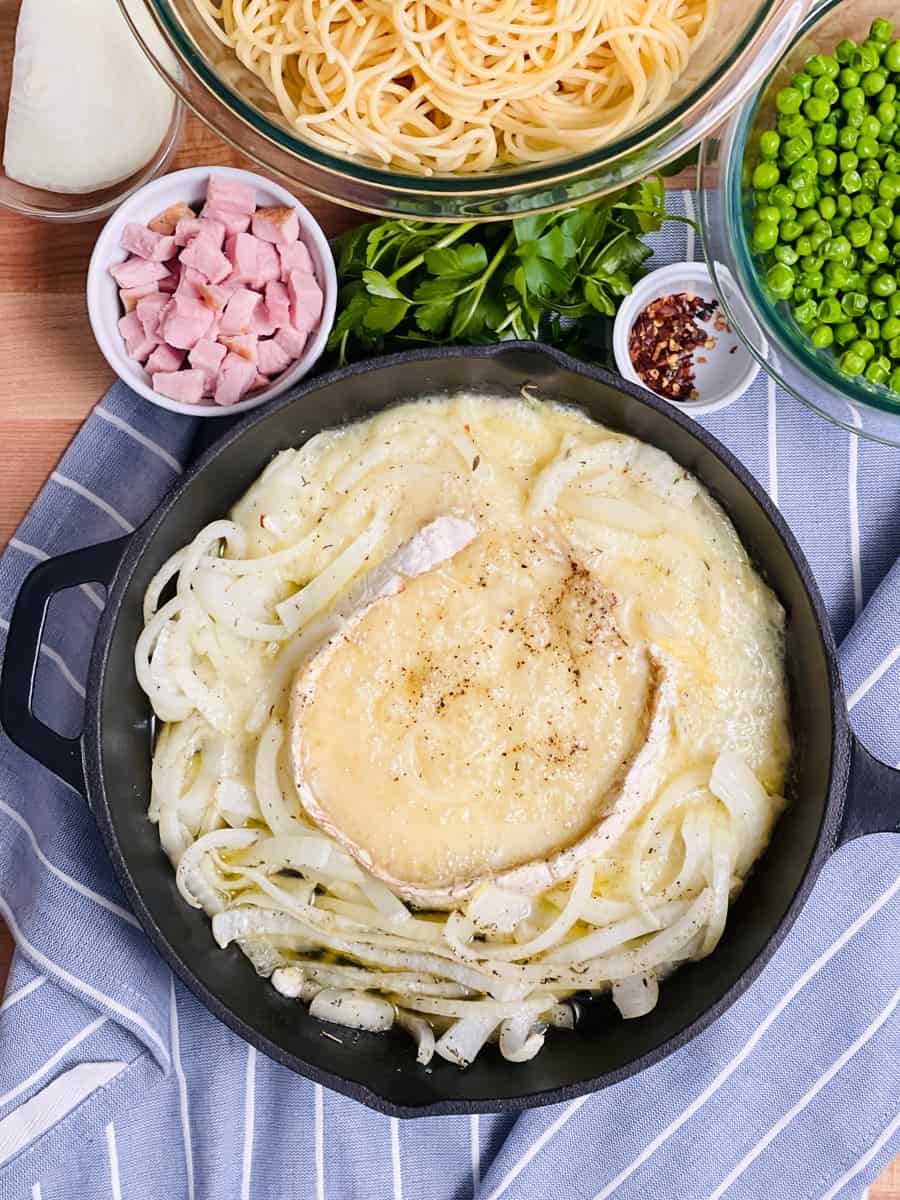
(671, 337)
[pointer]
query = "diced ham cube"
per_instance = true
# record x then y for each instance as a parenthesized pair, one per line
(260, 322)
(149, 310)
(243, 250)
(236, 377)
(184, 386)
(239, 312)
(167, 221)
(207, 357)
(190, 227)
(278, 304)
(139, 240)
(269, 267)
(271, 359)
(137, 344)
(231, 193)
(243, 344)
(259, 383)
(234, 222)
(294, 257)
(130, 296)
(165, 358)
(291, 341)
(205, 256)
(185, 321)
(134, 272)
(306, 301)
(279, 224)
(213, 295)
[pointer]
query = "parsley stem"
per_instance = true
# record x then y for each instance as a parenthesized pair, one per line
(447, 240)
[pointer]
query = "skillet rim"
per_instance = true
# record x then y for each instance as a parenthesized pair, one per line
(92, 739)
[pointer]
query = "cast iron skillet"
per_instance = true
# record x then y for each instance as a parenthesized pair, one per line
(837, 790)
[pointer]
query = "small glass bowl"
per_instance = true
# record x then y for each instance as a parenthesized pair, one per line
(59, 206)
(725, 203)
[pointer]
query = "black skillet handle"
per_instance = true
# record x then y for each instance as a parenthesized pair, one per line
(61, 755)
(873, 797)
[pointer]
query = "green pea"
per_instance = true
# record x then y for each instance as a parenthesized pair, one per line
(788, 100)
(827, 207)
(848, 78)
(781, 281)
(847, 137)
(881, 30)
(782, 196)
(837, 248)
(828, 186)
(805, 313)
(789, 213)
(806, 197)
(766, 176)
(848, 160)
(799, 177)
(765, 236)
(786, 254)
(859, 232)
(882, 217)
(894, 304)
(822, 336)
(864, 348)
(853, 99)
(891, 58)
(854, 119)
(879, 309)
(816, 110)
(895, 229)
(827, 290)
(884, 284)
(877, 252)
(808, 218)
(812, 279)
(877, 373)
(845, 205)
(837, 275)
(867, 147)
(844, 49)
(889, 187)
(886, 112)
(831, 312)
(870, 180)
(890, 328)
(769, 142)
(892, 162)
(851, 364)
(793, 150)
(803, 248)
(790, 231)
(889, 94)
(817, 239)
(894, 382)
(854, 304)
(870, 328)
(803, 83)
(868, 268)
(851, 181)
(894, 347)
(873, 82)
(870, 126)
(768, 212)
(864, 58)
(826, 134)
(845, 333)
(826, 161)
(825, 89)
(879, 235)
(801, 293)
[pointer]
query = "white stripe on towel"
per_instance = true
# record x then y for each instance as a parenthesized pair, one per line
(396, 1170)
(104, 505)
(551, 1131)
(861, 1164)
(853, 512)
(57, 660)
(139, 437)
(249, 1123)
(175, 1036)
(40, 555)
(112, 1153)
(806, 1098)
(82, 889)
(20, 994)
(319, 1133)
(772, 430)
(53, 1103)
(871, 679)
(88, 989)
(750, 1045)
(47, 1067)
(475, 1144)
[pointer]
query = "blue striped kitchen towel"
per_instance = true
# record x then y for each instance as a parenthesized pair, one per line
(116, 1083)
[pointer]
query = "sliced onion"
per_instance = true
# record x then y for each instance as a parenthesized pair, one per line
(518, 1043)
(495, 910)
(746, 799)
(560, 1016)
(265, 957)
(602, 941)
(250, 922)
(419, 1028)
(635, 996)
(383, 899)
(355, 1010)
(463, 1040)
(289, 981)
(189, 876)
(614, 514)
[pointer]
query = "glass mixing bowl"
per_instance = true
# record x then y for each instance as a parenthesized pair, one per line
(725, 203)
(71, 206)
(749, 37)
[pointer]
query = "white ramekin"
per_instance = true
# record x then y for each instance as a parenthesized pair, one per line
(105, 309)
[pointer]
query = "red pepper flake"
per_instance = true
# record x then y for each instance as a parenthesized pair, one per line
(663, 340)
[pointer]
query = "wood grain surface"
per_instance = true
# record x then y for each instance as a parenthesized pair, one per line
(52, 374)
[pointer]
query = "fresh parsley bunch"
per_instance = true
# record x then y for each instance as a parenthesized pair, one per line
(556, 276)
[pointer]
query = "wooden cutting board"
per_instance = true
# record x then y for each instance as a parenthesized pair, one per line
(52, 374)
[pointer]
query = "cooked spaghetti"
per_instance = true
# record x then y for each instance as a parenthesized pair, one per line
(442, 86)
(467, 708)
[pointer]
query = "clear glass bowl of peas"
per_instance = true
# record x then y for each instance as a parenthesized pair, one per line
(800, 201)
